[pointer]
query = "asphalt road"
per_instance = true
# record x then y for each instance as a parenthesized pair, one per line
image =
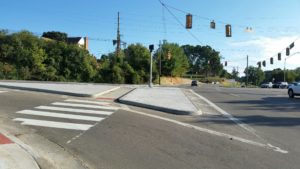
(146, 139)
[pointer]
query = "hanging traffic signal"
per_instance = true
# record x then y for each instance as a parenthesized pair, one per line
(264, 63)
(225, 63)
(292, 45)
(271, 61)
(259, 64)
(279, 56)
(213, 25)
(288, 51)
(228, 30)
(189, 21)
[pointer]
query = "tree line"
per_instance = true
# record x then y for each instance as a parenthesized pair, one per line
(24, 56)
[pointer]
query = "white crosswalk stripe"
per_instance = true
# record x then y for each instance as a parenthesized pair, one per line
(84, 106)
(59, 115)
(87, 101)
(53, 124)
(74, 110)
(71, 114)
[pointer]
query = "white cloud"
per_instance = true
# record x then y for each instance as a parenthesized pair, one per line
(269, 47)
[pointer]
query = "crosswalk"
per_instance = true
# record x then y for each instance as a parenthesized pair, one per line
(71, 114)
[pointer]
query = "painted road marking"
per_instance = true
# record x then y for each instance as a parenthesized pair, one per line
(53, 124)
(3, 91)
(212, 132)
(84, 106)
(223, 112)
(240, 123)
(74, 110)
(60, 115)
(234, 95)
(87, 101)
(4, 140)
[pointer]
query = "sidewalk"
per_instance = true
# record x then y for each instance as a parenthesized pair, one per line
(171, 100)
(74, 89)
(12, 156)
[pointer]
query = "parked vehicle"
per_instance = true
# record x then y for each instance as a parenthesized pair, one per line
(267, 85)
(291, 84)
(294, 90)
(194, 83)
(281, 85)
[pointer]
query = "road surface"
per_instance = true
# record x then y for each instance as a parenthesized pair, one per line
(121, 137)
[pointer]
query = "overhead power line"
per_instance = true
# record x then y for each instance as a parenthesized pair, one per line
(175, 17)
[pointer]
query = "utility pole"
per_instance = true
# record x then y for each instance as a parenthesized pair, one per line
(247, 71)
(118, 37)
(160, 54)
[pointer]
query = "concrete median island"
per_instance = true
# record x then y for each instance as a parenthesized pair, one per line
(171, 100)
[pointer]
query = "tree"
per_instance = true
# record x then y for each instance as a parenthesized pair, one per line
(225, 74)
(138, 57)
(55, 35)
(174, 62)
(255, 75)
(234, 74)
(203, 59)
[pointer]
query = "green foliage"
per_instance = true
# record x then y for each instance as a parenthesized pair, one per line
(131, 68)
(174, 62)
(225, 74)
(54, 35)
(203, 60)
(27, 57)
(255, 75)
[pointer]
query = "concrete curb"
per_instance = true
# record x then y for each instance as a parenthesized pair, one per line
(15, 154)
(153, 107)
(59, 92)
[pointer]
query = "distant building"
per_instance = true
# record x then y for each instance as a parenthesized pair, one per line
(80, 41)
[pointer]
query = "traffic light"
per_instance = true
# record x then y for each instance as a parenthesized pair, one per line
(288, 51)
(271, 61)
(259, 64)
(225, 63)
(228, 30)
(264, 63)
(292, 45)
(189, 21)
(279, 56)
(151, 48)
(213, 25)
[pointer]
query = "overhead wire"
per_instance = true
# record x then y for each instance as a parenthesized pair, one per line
(175, 17)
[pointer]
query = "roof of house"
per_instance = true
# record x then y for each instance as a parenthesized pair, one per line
(73, 40)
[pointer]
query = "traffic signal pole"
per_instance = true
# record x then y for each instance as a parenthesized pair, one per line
(151, 48)
(247, 71)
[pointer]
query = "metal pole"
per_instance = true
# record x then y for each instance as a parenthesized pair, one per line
(160, 53)
(284, 70)
(150, 79)
(247, 71)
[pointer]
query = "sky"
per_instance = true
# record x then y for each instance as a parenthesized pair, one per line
(275, 25)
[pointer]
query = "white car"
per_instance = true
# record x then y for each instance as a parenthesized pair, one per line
(294, 90)
(267, 85)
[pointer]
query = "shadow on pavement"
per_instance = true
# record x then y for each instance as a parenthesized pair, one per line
(269, 111)
(258, 120)
(274, 104)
